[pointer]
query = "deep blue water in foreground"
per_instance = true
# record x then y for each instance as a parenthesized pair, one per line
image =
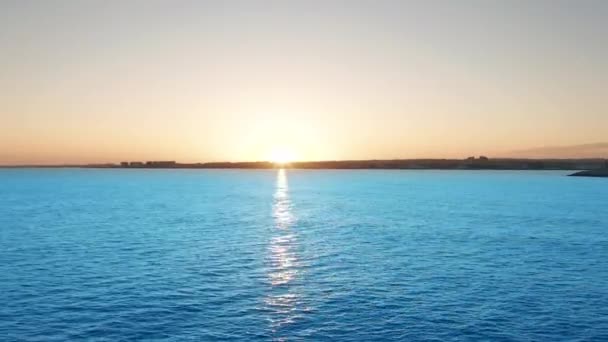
(119, 255)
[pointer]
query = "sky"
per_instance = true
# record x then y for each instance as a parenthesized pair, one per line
(106, 81)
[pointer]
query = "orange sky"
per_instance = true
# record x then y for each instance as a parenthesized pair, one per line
(108, 81)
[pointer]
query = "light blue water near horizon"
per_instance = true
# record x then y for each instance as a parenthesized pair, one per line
(203, 255)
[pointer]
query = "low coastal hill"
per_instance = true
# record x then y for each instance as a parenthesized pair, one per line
(471, 163)
(596, 165)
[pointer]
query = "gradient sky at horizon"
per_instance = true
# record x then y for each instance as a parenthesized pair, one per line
(105, 81)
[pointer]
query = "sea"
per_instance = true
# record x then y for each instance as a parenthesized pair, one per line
(302, 255)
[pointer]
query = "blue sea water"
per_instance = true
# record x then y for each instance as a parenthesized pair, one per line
(205, 255)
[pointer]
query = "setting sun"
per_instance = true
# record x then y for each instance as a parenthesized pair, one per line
(282, 156)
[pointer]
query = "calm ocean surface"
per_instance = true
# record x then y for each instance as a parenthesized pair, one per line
(203, 255)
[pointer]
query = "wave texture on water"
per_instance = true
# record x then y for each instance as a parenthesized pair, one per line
(285, 255)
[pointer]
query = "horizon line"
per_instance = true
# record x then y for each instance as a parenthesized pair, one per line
(144, 163)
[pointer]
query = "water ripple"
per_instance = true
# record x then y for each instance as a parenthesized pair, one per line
(130, 255)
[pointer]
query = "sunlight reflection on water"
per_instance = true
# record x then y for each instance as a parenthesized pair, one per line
(282, 205)
(284, 264)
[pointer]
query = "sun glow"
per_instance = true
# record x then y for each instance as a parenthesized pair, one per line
(282, 156)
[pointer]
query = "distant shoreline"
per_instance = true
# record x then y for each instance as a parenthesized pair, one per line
(481, 163)
(602, 173)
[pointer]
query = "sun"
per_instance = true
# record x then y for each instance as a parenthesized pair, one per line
(282, 156)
